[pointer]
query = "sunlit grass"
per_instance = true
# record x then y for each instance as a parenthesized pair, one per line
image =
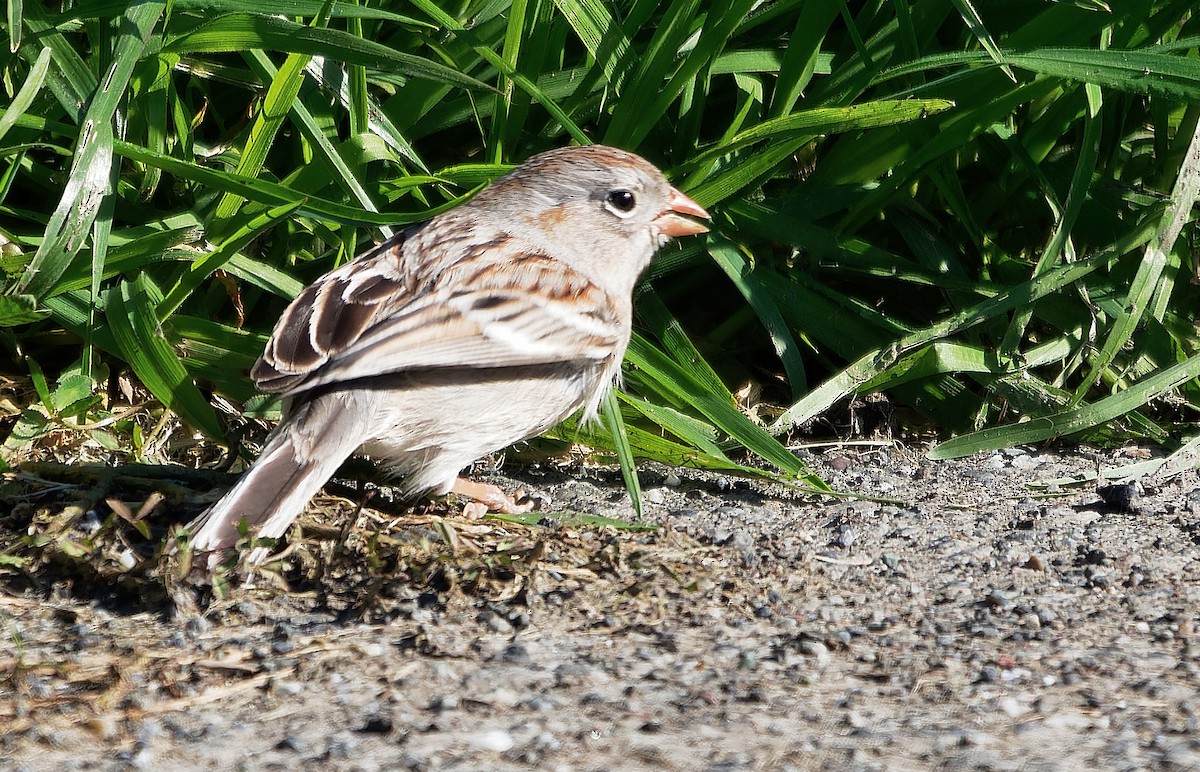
(986, 213)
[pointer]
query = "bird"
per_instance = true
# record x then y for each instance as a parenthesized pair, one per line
(483, 326)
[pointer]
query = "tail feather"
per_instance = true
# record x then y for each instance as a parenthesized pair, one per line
(272, 493)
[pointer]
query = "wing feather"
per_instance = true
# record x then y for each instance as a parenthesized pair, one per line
(372, 317)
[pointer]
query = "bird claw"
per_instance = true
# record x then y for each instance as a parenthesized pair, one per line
(531, 501)
(474, 510)
(489, 498)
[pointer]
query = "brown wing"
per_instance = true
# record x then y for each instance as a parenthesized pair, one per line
(369, 318)
(330, 315)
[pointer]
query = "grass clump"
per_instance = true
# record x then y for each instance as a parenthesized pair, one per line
(983, 211)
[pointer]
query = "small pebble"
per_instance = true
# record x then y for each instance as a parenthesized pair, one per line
(90, 522)
(288, 688)
(495, 740)
(340, 747)
(1067, 720)
(1012, 708)
(291, 743)
(516, 654)
(1122, 497)
(197, 625)
(998, 599)
(127, 560)
(495, 622)
(815, 649)
(377, 724)
(105, 726)
(1027, 462)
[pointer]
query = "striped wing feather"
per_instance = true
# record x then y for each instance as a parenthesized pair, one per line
(370, 317)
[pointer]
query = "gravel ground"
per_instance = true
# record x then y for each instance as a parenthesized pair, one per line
(974, 622)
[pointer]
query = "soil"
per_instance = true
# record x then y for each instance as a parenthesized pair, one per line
(972, 620)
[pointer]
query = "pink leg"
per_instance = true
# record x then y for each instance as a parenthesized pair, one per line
(490, 496)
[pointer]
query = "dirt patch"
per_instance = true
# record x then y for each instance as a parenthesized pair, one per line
(972, 621)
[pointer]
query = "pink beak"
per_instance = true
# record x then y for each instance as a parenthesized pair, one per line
(671, 223)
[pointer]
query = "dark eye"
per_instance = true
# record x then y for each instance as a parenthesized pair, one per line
(621, 200)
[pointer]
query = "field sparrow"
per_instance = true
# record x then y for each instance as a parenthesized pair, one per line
(481, 327)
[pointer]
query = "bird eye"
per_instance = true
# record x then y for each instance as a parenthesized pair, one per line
(622, 201)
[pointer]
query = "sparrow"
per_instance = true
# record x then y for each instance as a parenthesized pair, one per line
(486, 325)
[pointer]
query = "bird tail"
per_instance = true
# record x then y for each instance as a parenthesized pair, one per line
(305, 451)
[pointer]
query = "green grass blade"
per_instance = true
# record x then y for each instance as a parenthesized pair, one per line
(659, 320)
(803, 54)
(723, 414)
(696, 433)
(307, 124)
(1071, 421)
(242, 31)
(266, 192)
(1085, 167)
(806, 124)
(131, 317)
(15, 12)
(101, 233)
(974, 23)
(1184, 459)
(497, 61)
(787, 137)
(218, 354)
(1149, 272)
(378, 122)
(869, 365)
(1137, 72)
(932, 359)
(93, 9)
(88, 181)
(610, 412)
(28, 92)
(265, 276)
(742, 274)
(511, 54)
(635, 116)
(71, 79)
(238, 237)
(600, 33)
(359, 97)
(280, 96)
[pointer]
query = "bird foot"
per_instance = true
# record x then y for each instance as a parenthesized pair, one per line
(491, 499)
